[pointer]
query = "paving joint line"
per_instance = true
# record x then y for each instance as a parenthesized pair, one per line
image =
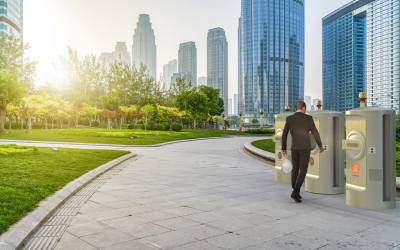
(48, 235)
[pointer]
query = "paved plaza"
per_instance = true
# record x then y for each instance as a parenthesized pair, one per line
(210, 195)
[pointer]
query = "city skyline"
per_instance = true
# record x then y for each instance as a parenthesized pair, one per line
(47, 47)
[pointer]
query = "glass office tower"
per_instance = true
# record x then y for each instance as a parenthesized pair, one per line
(11, 17)
(271, 57)
(361, 53)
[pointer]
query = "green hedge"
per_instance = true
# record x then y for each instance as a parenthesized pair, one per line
(166, 126)
(150, 125)
(158, 127)
(176, 127)
(261, 131)
(95, 124)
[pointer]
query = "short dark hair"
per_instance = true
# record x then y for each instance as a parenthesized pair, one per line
(300, 105)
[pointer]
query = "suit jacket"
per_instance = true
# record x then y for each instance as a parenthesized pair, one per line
(300, 125)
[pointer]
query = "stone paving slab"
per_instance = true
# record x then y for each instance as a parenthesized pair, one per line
(210, 195)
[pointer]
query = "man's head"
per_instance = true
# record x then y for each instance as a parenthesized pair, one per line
(301, 106)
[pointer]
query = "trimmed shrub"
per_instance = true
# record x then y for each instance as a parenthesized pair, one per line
(95, 123)
(102, 125)
(260, 132)
(176, 127)
(158, 127)
(166, 126)
(131, 126)
(150, 125)
(84, 122)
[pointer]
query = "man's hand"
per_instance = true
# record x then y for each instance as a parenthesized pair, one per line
(284, 152)
(321, 149)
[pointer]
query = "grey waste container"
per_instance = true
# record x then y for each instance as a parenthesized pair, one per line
(370, 158)
(325, 173)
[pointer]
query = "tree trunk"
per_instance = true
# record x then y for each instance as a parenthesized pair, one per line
(46, 122)
(2, 117)
(29, 123)
(9, 123)
(194, 121)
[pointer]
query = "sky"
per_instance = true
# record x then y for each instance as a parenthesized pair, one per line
(95, 26)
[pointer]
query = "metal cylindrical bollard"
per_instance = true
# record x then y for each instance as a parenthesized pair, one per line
(370, 157)
(261, 119)
(280, 121)
(325, 173)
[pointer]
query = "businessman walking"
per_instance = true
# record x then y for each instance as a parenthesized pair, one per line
(300, 125)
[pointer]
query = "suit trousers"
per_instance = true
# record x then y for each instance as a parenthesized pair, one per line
(300, 159)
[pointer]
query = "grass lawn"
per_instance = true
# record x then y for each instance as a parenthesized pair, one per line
(266, 145)
(103, 136)
(29, 176)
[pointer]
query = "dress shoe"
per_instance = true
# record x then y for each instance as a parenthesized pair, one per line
(296, 197)
(300, 196)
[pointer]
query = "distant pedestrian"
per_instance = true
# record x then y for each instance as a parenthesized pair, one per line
(110, 125)
(300, 125)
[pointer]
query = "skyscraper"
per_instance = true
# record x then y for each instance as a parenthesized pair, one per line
(361, 53)
(235, 104)
(144, 49)
(307, 100)
(120, 53)
(271, 57)
(168, 71)
(187, 61)
(202, 80)
(230, 112)
(217, 63)
(11, 18)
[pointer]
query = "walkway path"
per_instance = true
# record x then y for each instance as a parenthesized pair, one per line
(210, 195)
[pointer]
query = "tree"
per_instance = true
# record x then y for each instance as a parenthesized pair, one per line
(110, 101)
(137, 116)
(109, 115)
(219, 109)
(53, 111)
(11, 91)
(194, 102)
(11, 112)
(75, 114)
(147, 111)
(128, 110)
(178, 87)
(212, 98)
(254, 121)
(12, 51)
(90, 112)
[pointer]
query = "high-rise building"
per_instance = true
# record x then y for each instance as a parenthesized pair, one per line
(314, 102)
(11, 18)
(361, 54)
(230, 112)
(307, 100)
(120, 53)
(168, 71)
(217, 63)
(202, 80)
(187, 61)
(271, 57)
(144, 49)
(235, 104)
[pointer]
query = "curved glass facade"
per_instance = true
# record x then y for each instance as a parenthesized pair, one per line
(11, 17)
(271, 57)
(361, 47)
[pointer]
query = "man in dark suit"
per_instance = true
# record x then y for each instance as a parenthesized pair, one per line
(300, 125)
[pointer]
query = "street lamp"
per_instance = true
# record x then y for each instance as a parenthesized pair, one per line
(319, 105)
(240, 115)
(261, 119)
(223, 121)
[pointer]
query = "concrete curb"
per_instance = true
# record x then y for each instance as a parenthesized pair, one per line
(20, 232)
(113, 145)
(271, 157)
